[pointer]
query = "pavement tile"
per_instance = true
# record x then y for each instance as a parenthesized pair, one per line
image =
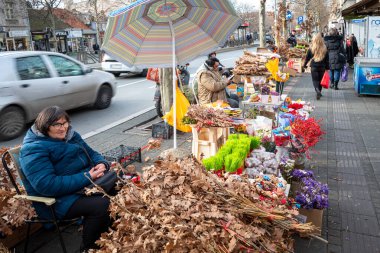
(354, 243)
(347, 150)
(335, 233)
(357, 206)
(342, 125)
(344, 136)
(351, 179)
(347, 191)
(334, 248)
(361, 224)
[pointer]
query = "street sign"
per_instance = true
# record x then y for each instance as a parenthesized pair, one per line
(358, 20)
(300, 19)
(289, 15)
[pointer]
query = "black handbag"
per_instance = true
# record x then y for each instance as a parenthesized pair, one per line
(107, 182)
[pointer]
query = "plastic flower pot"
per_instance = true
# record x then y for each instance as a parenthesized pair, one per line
(219, 173)
(239, 171)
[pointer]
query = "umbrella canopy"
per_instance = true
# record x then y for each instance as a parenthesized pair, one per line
(161, 33)
(140, 35)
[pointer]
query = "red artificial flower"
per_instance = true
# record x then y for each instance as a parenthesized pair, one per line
(295, 106)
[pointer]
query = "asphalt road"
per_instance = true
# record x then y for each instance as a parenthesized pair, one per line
(134, 96)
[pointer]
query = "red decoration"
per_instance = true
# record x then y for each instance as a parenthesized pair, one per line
(307, 132)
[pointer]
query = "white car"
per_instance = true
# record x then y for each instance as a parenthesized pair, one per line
(33, 80)
(112, 66)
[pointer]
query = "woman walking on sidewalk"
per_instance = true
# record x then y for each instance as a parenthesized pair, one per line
(319, 58)
(337, 57)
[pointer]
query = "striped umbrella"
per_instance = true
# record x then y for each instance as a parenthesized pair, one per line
(163, 33)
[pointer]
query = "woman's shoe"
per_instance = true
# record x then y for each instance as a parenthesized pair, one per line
(336, 86)
(319, 95)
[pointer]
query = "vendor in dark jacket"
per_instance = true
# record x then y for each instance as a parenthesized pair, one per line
(317, 54)
(54, 160)
(337, 57)
(292, 40)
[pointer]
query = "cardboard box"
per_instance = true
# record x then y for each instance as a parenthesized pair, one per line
(296, 64)
(314, 216)
(291, 72)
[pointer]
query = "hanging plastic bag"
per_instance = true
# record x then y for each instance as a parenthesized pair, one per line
(182, 107)
(344, 75)
(325, 80)
(153, 75)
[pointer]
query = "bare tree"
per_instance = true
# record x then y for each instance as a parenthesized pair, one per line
(99, 9)
(48, 6)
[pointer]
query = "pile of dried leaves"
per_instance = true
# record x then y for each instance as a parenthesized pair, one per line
(203, 116)
(182, 208)
(13, 210)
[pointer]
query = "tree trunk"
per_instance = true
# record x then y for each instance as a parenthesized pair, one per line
(284, 28)
(262, 23)
(166, 88)
(50, 11)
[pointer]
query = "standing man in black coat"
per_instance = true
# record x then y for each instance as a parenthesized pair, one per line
(292, 40)
(337, 57)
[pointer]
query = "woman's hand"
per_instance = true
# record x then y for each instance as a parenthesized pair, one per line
(97, 171)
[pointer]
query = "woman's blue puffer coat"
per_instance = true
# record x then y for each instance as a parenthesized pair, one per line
(56, 168)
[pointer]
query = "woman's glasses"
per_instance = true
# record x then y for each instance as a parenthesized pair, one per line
(59, 125)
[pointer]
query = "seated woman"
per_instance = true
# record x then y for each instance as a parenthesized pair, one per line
(211, 84)
(58, 163)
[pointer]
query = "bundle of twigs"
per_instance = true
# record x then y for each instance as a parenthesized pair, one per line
(296, 53)
(251, 64)
(203, 116)
(182, 208)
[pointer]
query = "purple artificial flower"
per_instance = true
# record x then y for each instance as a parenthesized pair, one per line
(299, 174)
(313, 194)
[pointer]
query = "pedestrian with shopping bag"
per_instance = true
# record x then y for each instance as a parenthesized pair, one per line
(337, 56)
(318, 57)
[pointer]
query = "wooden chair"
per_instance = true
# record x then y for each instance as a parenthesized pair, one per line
(13, 154)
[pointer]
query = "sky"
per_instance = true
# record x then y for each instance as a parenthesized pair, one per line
(256, 3)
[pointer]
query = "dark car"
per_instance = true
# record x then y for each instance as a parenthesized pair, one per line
(269, 39)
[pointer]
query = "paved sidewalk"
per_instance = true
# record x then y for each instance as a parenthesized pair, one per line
(347, 159)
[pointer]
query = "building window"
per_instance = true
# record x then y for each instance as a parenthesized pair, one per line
(9, 13)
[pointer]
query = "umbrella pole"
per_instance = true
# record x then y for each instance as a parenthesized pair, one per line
(174, 87)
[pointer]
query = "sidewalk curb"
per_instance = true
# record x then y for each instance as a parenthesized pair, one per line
(119, 122)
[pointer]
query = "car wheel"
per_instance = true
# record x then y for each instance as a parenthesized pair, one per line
(144, 72)
(103, 100)
(12, 122)
(116, 74)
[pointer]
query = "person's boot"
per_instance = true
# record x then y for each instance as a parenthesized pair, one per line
(336, 86)
(332, 85)
(319, 95)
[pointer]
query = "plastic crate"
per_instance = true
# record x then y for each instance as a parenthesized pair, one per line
(162, 130)
(124, 155)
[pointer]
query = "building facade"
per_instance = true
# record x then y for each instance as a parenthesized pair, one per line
(14, 26)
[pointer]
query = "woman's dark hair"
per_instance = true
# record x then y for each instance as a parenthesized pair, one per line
(48, 116)
(210, 55)
(211, 62)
